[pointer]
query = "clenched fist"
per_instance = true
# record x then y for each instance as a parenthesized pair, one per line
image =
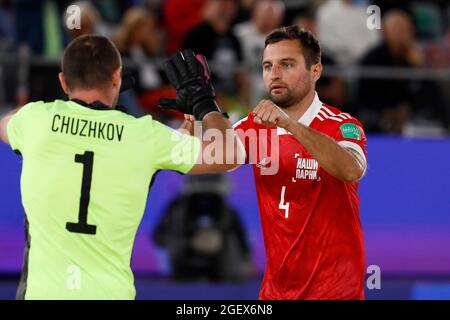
(269, 114)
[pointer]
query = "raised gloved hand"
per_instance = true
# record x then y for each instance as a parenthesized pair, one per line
(189, 74)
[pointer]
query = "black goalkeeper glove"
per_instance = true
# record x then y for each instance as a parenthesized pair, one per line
(189, 74)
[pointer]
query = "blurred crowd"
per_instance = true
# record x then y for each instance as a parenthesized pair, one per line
(396, 78)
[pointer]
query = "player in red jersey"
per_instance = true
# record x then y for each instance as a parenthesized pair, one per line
(308, 158)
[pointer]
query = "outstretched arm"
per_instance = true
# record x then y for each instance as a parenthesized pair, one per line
(221, 148)
(228, 153)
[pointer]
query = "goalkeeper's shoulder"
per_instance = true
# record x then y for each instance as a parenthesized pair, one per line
(20, 115)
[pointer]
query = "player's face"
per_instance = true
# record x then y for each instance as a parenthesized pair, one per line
(286, 78)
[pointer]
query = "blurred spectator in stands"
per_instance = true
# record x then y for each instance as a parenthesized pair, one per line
(437, 55)
(28, 24)
(389, 103)
(294, 8)
(139, 32)
(389, 5)
(330, 88)
(344, 35)
(6, 46)
(244, 11)
(139, 41)
(203, 234)
(214, 38)
(180, 16)
(6, 25)
(112, 11)
(266, 16)
(39, 31)
(428, 16)
(39, 24)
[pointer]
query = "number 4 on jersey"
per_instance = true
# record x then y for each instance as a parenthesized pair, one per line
(284, 206)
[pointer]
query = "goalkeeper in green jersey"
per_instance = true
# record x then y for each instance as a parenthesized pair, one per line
(87, 166)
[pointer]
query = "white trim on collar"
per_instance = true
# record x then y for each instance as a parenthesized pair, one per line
(311, 112)
(308, 116)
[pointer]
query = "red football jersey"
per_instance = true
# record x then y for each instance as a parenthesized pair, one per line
(311, 223)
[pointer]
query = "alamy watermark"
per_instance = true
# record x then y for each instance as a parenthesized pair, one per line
(374, 20)
(373, 281)
(73, 17)
(228, 148)
(73, 281)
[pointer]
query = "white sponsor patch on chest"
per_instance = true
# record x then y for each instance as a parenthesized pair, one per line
(306, 169)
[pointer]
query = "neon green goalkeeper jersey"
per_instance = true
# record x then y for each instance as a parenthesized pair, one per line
(85, 180)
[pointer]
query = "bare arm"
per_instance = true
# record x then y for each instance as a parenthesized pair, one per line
(221, 149)
(342, 163)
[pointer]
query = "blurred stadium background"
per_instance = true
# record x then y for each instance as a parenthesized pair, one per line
(395, 79)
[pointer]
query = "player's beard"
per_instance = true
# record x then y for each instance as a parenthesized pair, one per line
(290, 97)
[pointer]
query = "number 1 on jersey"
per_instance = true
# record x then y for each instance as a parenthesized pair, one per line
(282, 205)
(87, 159)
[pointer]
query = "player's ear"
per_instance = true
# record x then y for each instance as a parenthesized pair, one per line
(316, 71)
(117, 77)
(62, 81)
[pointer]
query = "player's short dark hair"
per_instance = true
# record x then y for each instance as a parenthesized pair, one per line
(89, 62)
(308, 43)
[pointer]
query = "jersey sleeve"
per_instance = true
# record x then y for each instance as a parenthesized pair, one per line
(350, 134)
(19, 125)
(241, 129)
(174, 150)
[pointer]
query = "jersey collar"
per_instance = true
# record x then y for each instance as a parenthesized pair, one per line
(308, 116)
(311, 112)
(99, 106)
